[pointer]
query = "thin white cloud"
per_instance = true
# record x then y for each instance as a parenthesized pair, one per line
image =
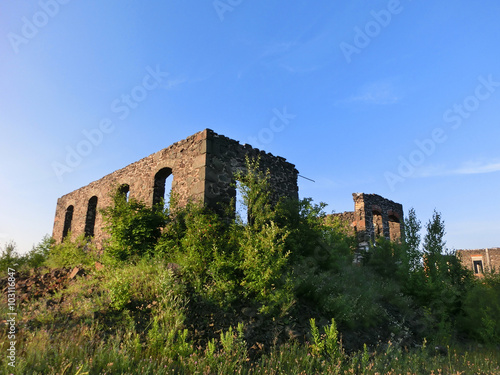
(475, 168)
(468, 168)
(376, 93)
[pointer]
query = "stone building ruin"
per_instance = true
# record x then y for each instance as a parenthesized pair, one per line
(374, 216)
(480, 261)
(202, 168)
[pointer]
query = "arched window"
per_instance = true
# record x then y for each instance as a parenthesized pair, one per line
(162, 184)
(68, 218)
(125, 191)
(394, 227)
(90, 219)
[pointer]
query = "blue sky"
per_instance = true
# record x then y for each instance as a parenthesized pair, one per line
(397, 98)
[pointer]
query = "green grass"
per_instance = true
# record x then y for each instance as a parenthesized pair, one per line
(237, 293)
(93, 332)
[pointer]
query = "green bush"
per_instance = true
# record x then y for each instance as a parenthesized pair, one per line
(203, 241)
(265, 266)
(134, 228)
(224, 260)
(481, 310)
(35, 258)
(256, 193)
(385, 258)
(40, 253)
(119, 293)
(80, 252)
(327, 344)
(10, 258)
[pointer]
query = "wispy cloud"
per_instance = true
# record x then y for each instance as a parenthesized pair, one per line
(302, 54)
(173, 83)
(468, 168)
(376, 93)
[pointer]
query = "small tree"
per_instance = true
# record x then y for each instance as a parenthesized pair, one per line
(261, 243)
(39, 253)
(447, 279)
(10, 257)
(434, 246)
(413, 254)
(256, 193)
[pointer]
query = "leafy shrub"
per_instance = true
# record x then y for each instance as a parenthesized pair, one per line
(256, 193)
(356, 297)
(134, 228)
(36, 257)
(482, 309)
(264, 264)
(385, 258)
(327, 344)
(224, 260)
(10, 258)
(40, 253)
(200, 242)
(72, 253)
(119, 293)
(312, 234)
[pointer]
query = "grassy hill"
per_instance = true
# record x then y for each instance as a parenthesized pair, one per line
(186, 291)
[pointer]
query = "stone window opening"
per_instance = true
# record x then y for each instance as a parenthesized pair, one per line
(378, 226)
(162, 184)
(478, 266)
(241, 208)
(394, 228)
(125, 191)
(90, 218)
(68, 218)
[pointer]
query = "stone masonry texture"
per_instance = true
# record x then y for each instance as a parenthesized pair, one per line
(374, 216)
(203, 168)
(489, 258)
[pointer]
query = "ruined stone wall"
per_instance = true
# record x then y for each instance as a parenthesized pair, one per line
(375, 211)
(489, 258)
(375, 216)
(226, 157)
(202, 165)
(348, 217)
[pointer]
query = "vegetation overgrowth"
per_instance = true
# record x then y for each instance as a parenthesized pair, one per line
(189, 290)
